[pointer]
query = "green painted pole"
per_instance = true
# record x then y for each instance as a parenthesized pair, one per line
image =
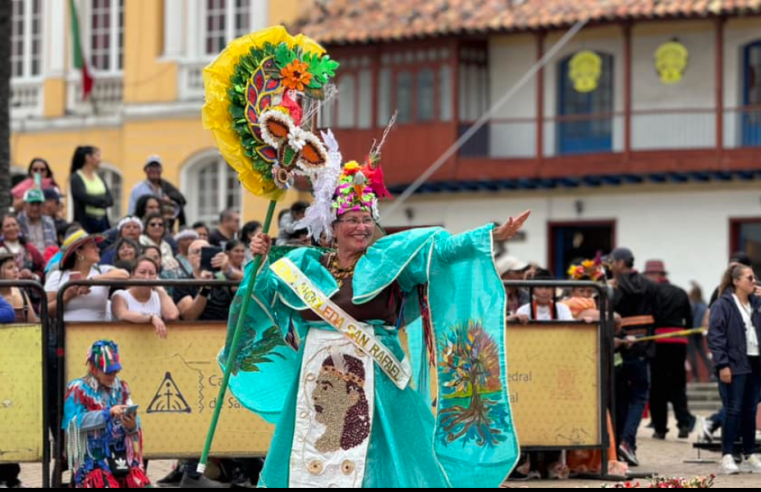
(234, 348)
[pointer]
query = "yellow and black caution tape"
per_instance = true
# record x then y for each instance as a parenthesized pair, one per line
(668, 336)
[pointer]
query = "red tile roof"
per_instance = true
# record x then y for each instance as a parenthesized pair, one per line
(364, 21)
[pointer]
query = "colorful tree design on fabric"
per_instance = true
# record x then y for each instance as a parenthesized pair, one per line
(470, 369)
(255, 350)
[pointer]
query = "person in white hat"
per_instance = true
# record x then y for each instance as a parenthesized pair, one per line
(512, 268)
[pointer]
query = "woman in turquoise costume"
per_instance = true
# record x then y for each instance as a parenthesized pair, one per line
(340, 348)
(383, 365)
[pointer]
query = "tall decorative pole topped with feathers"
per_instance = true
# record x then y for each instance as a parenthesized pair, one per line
(255, 94)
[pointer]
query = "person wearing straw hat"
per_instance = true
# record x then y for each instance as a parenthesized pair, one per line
(103, 432)
(80, 262)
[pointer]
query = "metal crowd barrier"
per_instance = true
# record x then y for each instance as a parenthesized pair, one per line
(44, 326)
(61, 344)
(606, 334)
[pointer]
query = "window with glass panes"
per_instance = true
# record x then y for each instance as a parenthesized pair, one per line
(214, 187)
(224, 21)
(113, 179)
(26, 38)
(417, 84)
(106, 35)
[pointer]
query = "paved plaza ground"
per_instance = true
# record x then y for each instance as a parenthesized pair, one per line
(665, 457)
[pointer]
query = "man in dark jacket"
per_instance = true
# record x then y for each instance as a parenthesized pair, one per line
(634, 298)
(669, 377)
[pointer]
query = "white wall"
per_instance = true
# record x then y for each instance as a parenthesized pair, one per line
(694, 91)
(737, 34)
(510, 57)
(687, 226)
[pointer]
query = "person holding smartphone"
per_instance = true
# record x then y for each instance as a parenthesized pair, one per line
(80, 262)
(206, 303)
(104, 436)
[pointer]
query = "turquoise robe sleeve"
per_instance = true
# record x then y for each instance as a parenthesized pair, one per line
(266, 366)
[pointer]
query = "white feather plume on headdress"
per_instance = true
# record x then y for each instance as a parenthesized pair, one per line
(319, 217)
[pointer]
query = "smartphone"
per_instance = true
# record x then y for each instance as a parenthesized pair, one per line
(131, 410)
(207, 254)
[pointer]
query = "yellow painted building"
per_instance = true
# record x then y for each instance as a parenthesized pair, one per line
(147, 57)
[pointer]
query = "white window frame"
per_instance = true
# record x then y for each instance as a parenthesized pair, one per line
(189, 184)
(85, 14)
(195, 33)
(106, 172)
(27, 56)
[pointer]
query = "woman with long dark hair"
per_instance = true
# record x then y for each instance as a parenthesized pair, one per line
(30, 262)
(733, 336)
(37, 166)
(91, 195)
(155, 234)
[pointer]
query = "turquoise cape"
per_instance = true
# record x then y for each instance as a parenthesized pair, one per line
(461, 434)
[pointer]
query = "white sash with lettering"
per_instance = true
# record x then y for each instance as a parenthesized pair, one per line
(361, 335)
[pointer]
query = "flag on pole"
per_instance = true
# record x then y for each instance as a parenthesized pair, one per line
(80, 61)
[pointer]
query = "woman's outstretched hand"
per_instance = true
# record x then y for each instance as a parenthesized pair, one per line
(511, 227)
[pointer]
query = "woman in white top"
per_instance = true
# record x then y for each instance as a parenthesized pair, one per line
(155, 231)
(544, 306)
(733, 337)
(143, 305)
(80, 262)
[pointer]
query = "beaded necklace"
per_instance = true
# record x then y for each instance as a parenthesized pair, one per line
(340, 274)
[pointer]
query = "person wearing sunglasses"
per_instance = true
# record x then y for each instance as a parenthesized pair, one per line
(37, 166)
(733, 336)
(154, 234)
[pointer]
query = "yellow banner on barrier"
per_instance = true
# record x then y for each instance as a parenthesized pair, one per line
(553, 375)
(21, 432)
(175, 382)
(554, 379)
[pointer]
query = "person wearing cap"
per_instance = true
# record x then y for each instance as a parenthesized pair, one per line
(53, 207)
(80, 262)
(512, 268)
(634, 298)
(160, 188)
(103, 432)
(184, 239)
(35, 226)
(669, 377)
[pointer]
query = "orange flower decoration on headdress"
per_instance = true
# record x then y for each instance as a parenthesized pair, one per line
(296, 75)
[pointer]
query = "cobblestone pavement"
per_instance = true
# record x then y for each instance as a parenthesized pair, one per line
(664, 457)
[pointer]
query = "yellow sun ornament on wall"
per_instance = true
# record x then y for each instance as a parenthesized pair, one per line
(671, 61)
(585, 70)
